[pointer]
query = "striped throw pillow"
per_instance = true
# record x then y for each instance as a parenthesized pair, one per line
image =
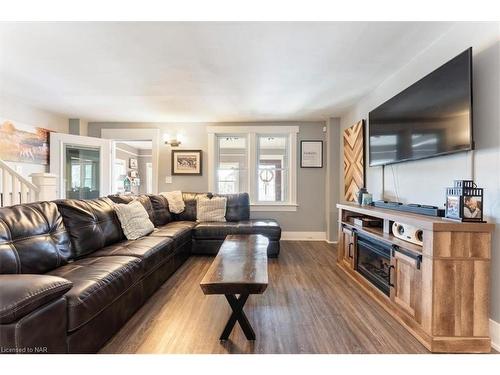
(134, 219)
(210, 209)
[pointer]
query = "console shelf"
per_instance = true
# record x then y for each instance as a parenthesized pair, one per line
(438, 291)
(379, 234)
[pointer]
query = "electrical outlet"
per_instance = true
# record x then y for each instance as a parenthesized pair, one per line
(168, 179)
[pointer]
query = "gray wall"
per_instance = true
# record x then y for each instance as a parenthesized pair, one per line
(424, 181)
(310, 215)
(332, 177)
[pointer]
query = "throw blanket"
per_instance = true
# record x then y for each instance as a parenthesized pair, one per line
(175, 203)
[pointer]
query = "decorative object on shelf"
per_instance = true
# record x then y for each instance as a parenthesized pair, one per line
(186, 162)
(366, 199)
(464, 201)
(359, 195)
(354, 160)
(23, 143)
(367, 222)
(132, 163)
(311, 154)
(127, 184)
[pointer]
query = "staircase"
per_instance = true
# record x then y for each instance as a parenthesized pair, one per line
(14, 188)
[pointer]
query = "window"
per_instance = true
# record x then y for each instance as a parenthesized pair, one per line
(272, 168)
(231, 164)
(257, 160)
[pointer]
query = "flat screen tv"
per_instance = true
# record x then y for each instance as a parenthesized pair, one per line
(432, 117)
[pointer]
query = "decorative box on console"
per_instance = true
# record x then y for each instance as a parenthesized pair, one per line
(464, 201)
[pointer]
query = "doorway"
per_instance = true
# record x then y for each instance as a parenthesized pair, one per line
(133, 167)
(138, 149)
(82, 165)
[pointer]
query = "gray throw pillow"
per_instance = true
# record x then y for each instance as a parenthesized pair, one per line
(134, 220)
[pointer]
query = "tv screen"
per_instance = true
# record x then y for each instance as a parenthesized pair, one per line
(431, 117)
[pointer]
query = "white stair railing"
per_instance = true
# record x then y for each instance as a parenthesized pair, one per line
(15, 189)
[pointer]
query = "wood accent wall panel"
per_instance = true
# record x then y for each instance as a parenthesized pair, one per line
(354, 160)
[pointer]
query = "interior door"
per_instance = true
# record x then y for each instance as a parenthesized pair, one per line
(83, 165)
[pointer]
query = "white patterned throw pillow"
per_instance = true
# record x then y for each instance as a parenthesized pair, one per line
(210, 209)
(175, 202)
(134, 220)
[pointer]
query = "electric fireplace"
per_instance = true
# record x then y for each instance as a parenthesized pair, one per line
(373, 262)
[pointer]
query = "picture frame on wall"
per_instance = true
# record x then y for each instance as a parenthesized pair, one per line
(311, 154)
(186, 162)
(132, 163)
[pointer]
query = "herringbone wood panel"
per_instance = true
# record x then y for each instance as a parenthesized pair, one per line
(354, 169)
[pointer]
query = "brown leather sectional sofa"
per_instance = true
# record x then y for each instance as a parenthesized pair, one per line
(69, 279)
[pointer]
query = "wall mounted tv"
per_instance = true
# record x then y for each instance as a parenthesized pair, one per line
(432, 117)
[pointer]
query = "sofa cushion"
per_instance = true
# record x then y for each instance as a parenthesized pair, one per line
(33, 238)
(22, 294)
(180, 231)
(267, 227)
(161, 213)
(152, 250)
(237, 207)
(189, 213)
(218, 231)
(97, 282)
(176, 204)
(211, 209)
(92, 224)
(214, 230)
(143, 199)
(134, 220)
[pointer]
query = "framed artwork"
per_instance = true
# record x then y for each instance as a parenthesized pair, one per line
(133, 163)
(23, 143)
(311, 154)
(186, 162)
(354, 160)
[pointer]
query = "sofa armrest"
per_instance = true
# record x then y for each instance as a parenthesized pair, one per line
(21, 294)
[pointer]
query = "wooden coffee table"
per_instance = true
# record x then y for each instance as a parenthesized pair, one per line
(240, 268)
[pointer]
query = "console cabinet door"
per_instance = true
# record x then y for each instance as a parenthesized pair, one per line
(348, 243)
(406, 288)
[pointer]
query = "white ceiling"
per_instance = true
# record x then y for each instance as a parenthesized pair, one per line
(204, 71)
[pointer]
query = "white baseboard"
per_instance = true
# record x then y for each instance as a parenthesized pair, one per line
(495, 334)
(303, 236)
(332, 242)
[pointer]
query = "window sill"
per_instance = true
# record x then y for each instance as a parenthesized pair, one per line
(276, 207)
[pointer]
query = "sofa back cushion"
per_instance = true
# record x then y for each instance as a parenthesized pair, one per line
(92, 224)
(127, 198)
(237, 207)
(189, 213)
(161, 213)
(33, 238)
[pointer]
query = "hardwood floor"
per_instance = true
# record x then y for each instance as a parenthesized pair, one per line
(303, 310)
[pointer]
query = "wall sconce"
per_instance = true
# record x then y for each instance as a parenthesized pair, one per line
(172, 141)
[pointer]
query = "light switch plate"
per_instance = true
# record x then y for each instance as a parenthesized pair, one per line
(168, 179)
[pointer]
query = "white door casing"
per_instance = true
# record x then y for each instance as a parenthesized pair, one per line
(58, 141)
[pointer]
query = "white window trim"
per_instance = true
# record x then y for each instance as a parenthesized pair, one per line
(251, 132)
